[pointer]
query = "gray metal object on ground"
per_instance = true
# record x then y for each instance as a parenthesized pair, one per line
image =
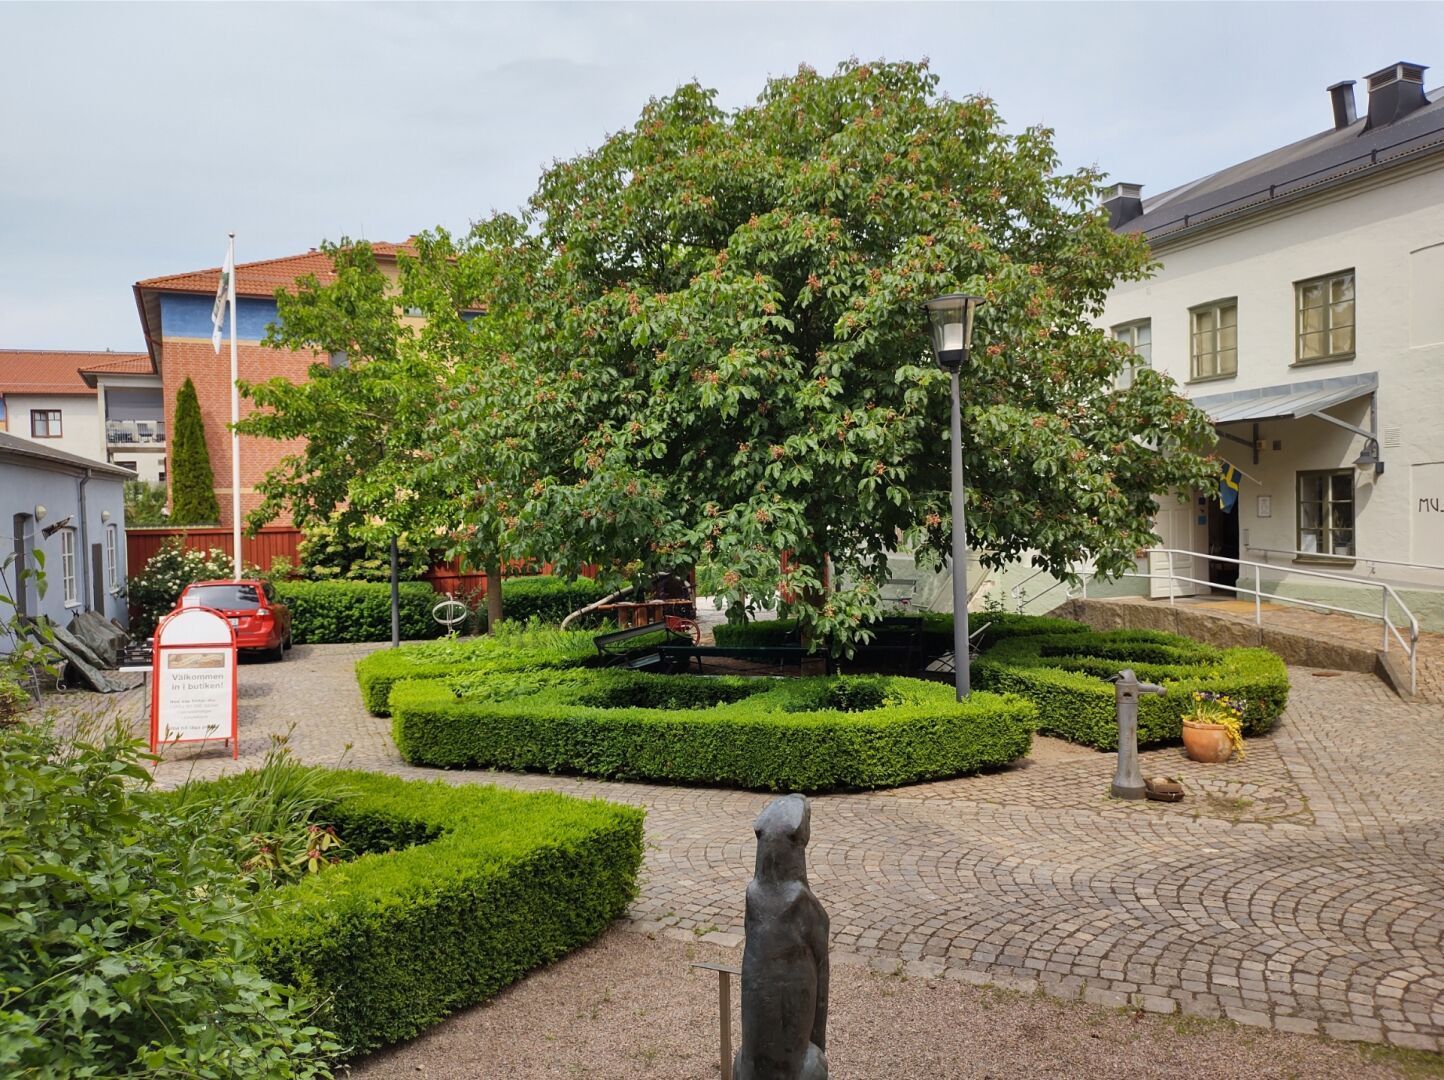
(1128, 781)
(784, 961)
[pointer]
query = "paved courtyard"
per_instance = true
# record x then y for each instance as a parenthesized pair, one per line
(1300, 889)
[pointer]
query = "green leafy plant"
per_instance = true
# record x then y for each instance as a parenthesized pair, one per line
(546, 598)
(333, 551)
(808, 734)
(509, 649)
(144, 504)
(127, 942)
(192, 483)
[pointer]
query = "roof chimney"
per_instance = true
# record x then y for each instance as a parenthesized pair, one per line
(1124, 202)
(1395, 92)
(1341, 95)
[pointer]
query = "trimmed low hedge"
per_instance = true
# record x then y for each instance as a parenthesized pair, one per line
(807, 734)
(532, 650)
(937, 630)
(464, 890)
(328, 612)
(546, 598)
(1063, 676)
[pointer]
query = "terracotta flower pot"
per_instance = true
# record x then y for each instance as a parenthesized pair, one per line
(1206, 742)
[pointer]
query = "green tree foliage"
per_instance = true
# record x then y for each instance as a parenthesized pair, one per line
(144, 503)
(721, 330)
(192, 485)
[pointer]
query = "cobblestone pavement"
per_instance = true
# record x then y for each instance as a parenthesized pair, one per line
(1300, 889)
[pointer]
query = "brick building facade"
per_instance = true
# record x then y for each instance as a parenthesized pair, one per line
(175, 314)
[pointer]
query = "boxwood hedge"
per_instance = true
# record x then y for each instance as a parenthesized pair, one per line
(936, 629)
(546, 598)
(326, 612)
(520, 650)
(1063, 675)
(464, 890)
(807, 734)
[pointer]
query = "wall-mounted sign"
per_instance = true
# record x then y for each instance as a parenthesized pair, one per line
(1265, 506)
(193, 680)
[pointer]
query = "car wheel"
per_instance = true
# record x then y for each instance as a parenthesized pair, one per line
(278, 653)
(288, 642)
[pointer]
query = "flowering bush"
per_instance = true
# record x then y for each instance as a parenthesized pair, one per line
(155, 590)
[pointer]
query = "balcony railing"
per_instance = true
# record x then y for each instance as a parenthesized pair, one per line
(133, 432)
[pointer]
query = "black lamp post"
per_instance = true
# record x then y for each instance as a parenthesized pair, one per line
(951, 319)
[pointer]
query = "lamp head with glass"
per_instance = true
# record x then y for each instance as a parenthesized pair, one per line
(951, 320)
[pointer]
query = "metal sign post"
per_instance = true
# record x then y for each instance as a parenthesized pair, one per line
(193, 680)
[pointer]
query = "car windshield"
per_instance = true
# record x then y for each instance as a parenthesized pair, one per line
(224, 597)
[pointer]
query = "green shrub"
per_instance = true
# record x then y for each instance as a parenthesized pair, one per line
(546, 598)
(463, 890)
(331, 551)
(13, 699)
(126, 933)
(1063, 675)
(326, 612)
(936, 631)
(506, 650)
(807, 734)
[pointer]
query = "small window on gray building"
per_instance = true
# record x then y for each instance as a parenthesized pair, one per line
(1324, 318)
(1326, 512)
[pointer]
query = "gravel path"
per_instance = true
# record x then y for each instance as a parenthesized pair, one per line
(630, 1006)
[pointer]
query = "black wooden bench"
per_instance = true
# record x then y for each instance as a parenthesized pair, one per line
(614, 647)
(680, 657)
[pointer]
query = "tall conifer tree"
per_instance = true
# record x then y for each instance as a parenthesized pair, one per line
(193, 485)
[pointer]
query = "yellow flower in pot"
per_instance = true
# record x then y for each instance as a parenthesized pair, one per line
(1213, 728)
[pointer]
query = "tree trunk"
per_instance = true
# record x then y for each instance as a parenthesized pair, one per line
(493, 594)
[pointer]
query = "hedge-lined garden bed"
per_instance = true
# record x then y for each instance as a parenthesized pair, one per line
(328, 612)
(531, 650)
(463, 890)
(1063, 675)
(808, 734)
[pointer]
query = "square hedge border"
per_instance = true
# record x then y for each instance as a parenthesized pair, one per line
(463, 890)
(1064, 676)
(806, 734)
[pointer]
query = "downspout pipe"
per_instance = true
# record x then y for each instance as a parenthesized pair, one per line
(82, 557)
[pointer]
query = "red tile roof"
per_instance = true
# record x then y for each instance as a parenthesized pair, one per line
(43, 371)
(261, 278)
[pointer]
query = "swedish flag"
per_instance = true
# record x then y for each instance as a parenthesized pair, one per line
(1228, 487)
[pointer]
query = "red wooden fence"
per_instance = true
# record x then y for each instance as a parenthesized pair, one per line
(271, 543)
(283, 541)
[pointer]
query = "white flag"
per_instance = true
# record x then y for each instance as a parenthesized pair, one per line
(223, 292)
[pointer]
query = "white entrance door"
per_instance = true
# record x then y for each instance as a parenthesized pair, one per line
(1175, 526)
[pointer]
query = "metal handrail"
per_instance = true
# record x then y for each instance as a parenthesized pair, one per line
(1387, 593)
(1324, 555)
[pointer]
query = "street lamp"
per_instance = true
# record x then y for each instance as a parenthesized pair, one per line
(951, 320)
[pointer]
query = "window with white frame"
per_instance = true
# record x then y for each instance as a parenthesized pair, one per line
(1138, 336)
(1324, 318)
(1214, 339)
(112, 557)
(67, 566)
(1326, 512)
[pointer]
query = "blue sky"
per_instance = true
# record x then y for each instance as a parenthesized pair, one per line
(133, 136)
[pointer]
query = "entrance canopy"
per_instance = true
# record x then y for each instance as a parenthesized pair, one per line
(1289, 401)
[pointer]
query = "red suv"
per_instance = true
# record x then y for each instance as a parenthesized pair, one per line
(261, 621)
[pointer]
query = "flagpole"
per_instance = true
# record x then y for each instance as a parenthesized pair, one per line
(235, 419)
